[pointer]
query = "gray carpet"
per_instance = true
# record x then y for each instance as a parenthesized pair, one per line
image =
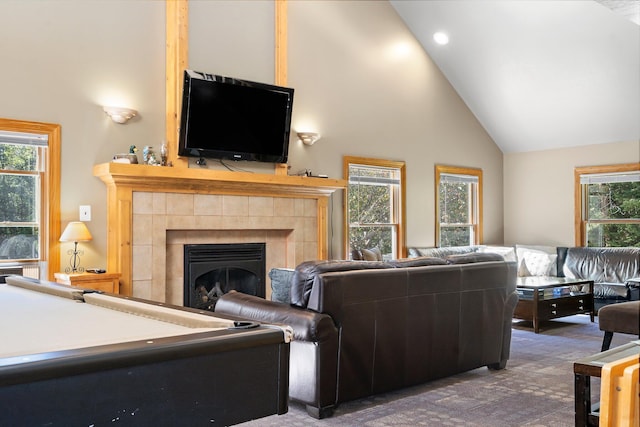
(536, 388)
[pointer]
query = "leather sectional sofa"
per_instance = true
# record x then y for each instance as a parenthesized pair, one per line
(362, 328)
(615, 271)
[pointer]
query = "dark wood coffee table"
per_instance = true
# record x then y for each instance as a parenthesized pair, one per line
(545, 298)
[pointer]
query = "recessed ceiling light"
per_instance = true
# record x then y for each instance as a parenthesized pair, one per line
(441, 38)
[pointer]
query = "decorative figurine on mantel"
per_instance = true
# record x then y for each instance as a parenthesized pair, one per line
(133, 157)
(149, 156)
(163, 154)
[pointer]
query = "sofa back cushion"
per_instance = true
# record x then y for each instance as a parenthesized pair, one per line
(306, 274)
(473, 257)
(441, 252)
(417, 262)
(602, 265)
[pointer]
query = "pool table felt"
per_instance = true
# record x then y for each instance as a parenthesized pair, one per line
(36, 322)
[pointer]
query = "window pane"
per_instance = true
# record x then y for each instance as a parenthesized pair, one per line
(613, 235)
(370, 237)
(369, 204)
(18, 198)
(454, 203)
(455, 236)
(18, 157)
(19, 242)
(614, 200)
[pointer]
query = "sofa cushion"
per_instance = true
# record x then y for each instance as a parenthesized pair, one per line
(306, 274)
(443, 252)
(602, 265)
(473, 257)
(507, 252)
(417, 262)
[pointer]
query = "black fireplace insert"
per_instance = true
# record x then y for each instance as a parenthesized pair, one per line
(211, 270)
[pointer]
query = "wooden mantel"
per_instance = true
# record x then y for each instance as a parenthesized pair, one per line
(207, 181)
(122, 180)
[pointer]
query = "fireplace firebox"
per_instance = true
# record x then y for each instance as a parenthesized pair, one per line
(211, 270)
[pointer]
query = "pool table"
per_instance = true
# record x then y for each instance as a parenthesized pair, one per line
(70, 356)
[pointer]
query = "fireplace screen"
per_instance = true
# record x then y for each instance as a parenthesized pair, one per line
(212, 270)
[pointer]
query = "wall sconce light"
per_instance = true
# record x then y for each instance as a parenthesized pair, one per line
(308, 138)
(120, 115)
(76, 231)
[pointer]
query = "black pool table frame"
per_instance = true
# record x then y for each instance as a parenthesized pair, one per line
(216, 378)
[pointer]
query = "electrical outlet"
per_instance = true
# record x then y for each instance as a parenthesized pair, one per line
(85, 213)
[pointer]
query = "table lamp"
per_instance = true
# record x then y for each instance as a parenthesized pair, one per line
(75, 232)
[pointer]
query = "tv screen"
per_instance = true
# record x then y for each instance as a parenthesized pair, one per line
(227, 118)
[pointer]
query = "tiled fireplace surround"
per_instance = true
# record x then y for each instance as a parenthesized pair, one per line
(152, 212)
(164, 222)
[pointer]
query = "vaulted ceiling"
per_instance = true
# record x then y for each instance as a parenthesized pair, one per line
(538, 74)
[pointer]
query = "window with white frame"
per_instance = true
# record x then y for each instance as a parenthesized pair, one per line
(22, 175)
(458, 206)
(608, 205)
(374, 207)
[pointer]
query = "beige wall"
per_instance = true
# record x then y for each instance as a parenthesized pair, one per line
(61, 61)
(366, 85)
(539, 190)
(360, 77)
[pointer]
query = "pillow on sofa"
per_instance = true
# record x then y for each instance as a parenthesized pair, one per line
(281, 284)
(305, 275)
(473, 257)
(536, 260)
(373, 254)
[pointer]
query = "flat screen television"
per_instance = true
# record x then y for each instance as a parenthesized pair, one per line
(228, 118)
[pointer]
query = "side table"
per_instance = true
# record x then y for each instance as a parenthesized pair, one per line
(583, 369)
(105, 282)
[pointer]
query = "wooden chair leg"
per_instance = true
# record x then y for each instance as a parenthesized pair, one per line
(606, 341)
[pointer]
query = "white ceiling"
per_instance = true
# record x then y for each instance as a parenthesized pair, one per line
(538, 74)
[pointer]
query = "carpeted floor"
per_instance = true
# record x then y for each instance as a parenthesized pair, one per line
(536, 388)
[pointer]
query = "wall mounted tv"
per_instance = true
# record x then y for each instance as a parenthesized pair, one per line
(227, 118)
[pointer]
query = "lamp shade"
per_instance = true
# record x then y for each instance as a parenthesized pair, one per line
(76, 231)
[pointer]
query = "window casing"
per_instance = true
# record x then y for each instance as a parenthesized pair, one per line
(374, 206)
(607, 200)
(30, 211)
(458, 206)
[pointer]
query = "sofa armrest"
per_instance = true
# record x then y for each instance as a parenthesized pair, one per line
(307, 325)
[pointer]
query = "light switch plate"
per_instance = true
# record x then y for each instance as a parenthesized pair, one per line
(85, 213)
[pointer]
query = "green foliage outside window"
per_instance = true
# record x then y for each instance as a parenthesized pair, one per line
(611, 205)
(19, 228)
(455, 236)
(455, 213)
(370, 208)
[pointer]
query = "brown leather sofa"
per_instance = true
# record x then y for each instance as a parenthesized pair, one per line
(362, 328)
